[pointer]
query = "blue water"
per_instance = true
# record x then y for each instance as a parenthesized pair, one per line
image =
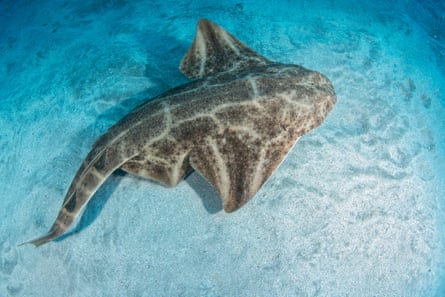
(357, 208)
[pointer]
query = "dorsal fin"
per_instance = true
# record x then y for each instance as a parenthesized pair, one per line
(215, 50)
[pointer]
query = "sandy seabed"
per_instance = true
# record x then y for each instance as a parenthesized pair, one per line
(357, 208)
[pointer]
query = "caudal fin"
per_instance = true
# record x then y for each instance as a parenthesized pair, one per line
(41, 240)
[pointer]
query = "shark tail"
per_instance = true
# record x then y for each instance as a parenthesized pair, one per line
(42, 240)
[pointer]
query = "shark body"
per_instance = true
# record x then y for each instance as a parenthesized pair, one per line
(233, 124)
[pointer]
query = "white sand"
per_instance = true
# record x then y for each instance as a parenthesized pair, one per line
(357, 208)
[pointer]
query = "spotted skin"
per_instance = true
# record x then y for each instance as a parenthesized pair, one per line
(234, 125)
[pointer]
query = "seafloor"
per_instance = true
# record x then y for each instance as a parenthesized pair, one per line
(357, 208)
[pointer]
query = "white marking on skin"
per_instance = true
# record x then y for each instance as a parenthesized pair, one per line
(68, 199)
(202, 51)
(197, 116)
(148, 156)
(216, 121)
(247, 130)
(229, 41)
(76, 219)
(162, 135)
(254, 87)
(235, 66)
(258, 173)
(176, 176)
(224, 181)
(63, 227)
(168, 115)
(87, 191)
(96, 173)
(68, 213)
(228, 105)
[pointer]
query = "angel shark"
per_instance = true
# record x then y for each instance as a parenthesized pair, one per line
(233, 124)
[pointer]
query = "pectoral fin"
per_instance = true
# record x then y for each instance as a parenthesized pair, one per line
(215, 50)
(237, 164)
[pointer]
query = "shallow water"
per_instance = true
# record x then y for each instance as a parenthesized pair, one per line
(356, 209)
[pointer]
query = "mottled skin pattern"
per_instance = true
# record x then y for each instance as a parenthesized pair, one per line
(234, 125)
